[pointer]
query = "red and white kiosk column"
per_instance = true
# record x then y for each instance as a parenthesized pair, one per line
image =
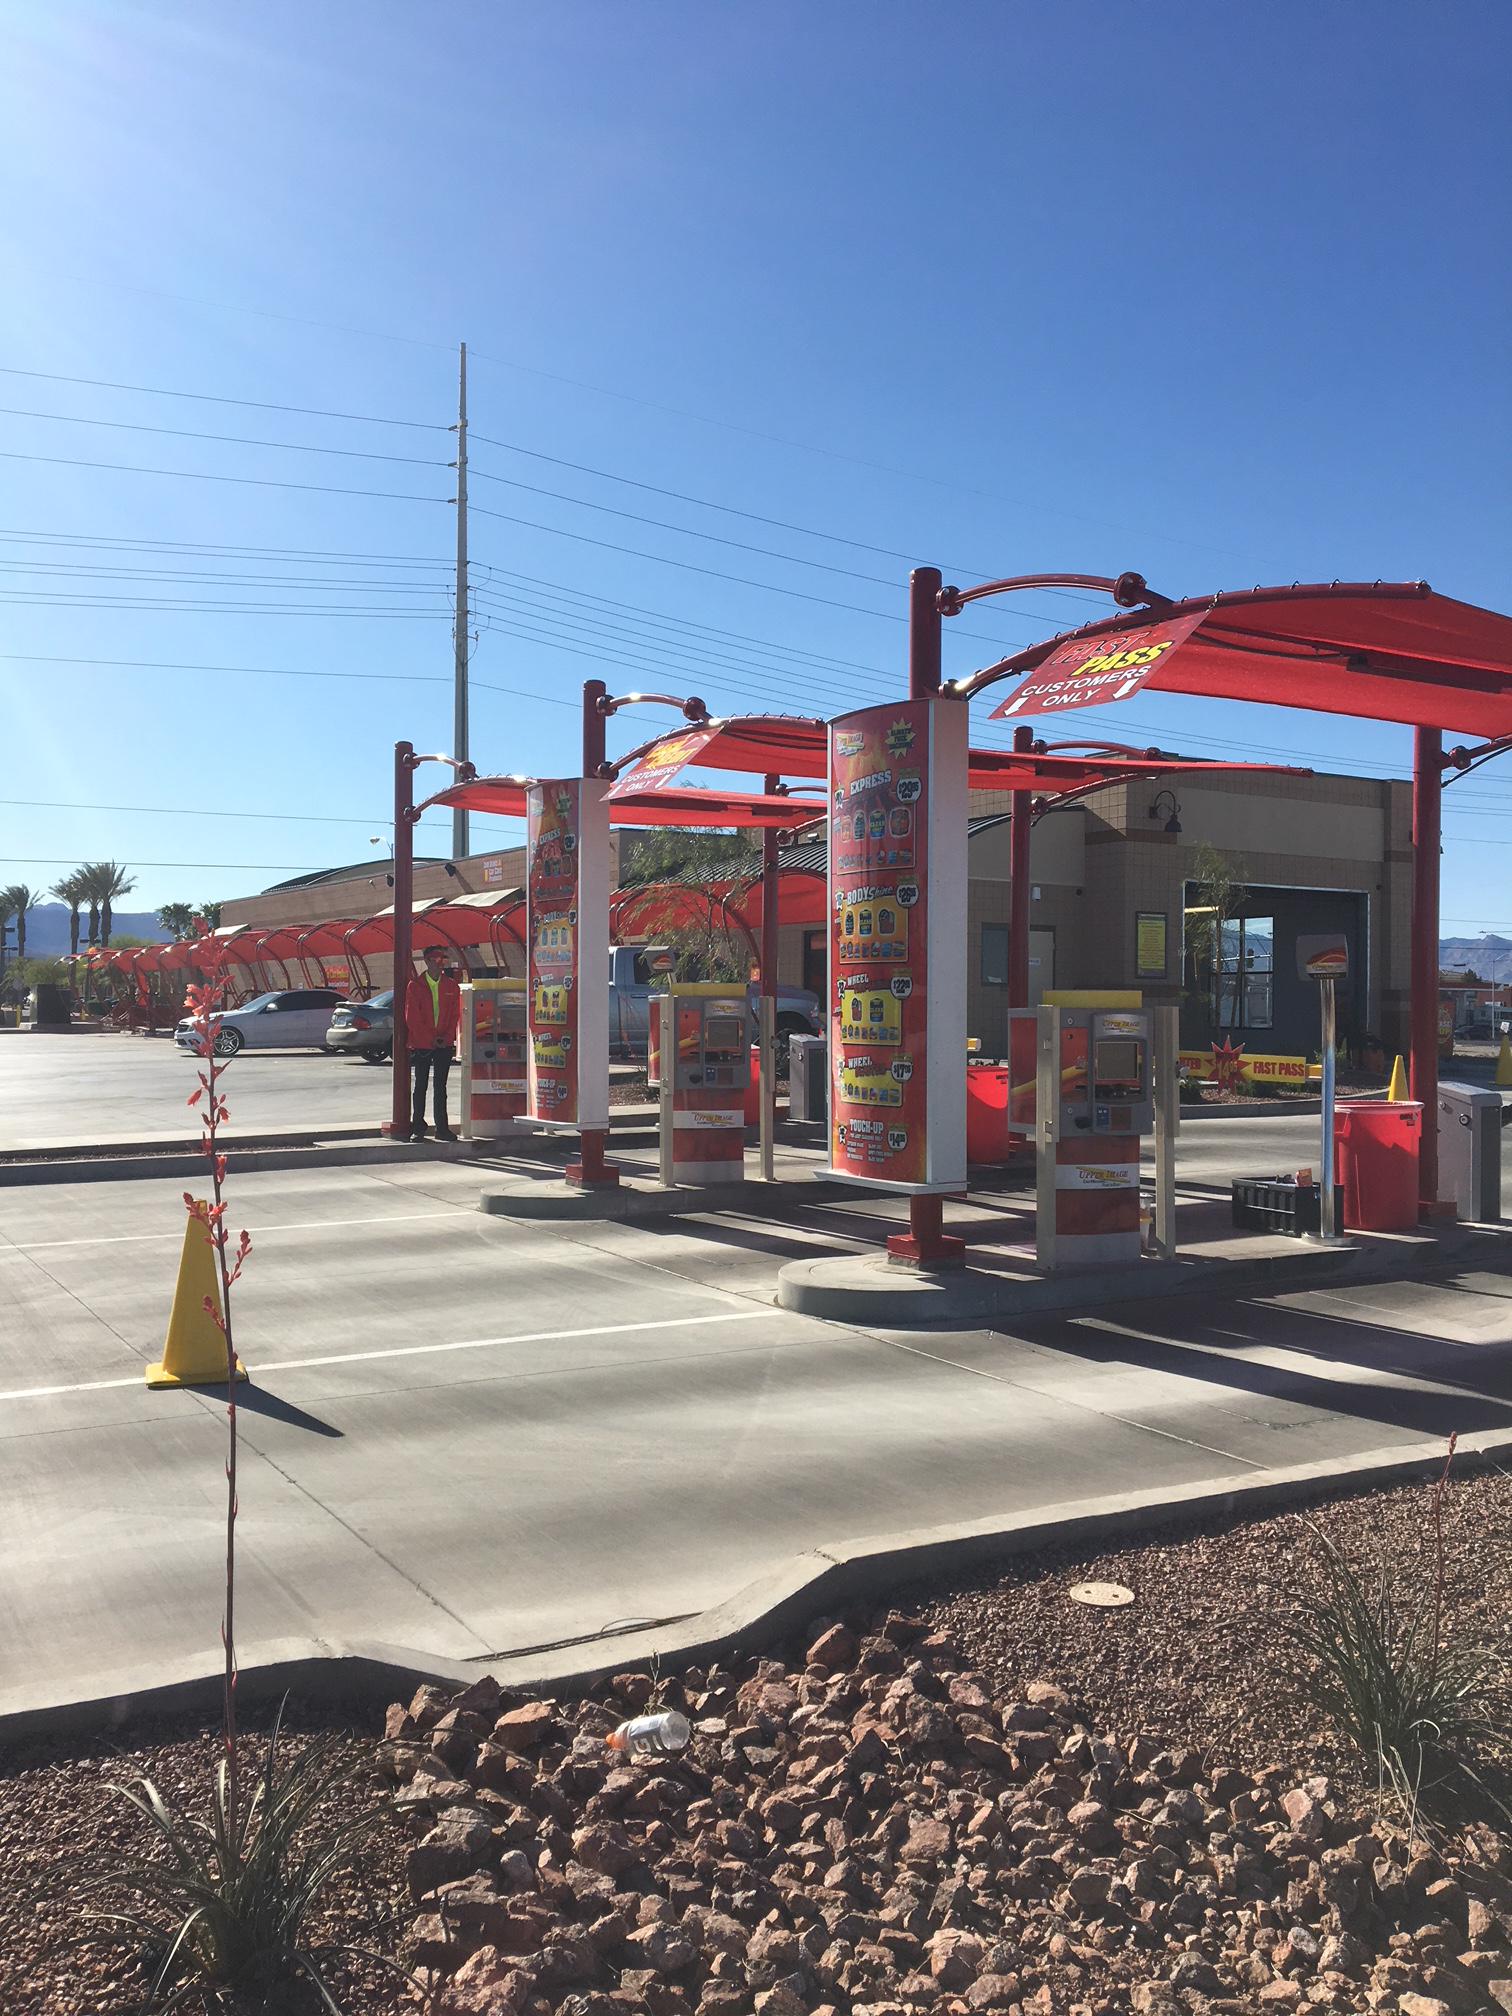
(897, 969)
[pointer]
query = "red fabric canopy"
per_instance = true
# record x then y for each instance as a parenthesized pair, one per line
(505, 797)
(1022, 770)
(776, 745)
(1382, 651)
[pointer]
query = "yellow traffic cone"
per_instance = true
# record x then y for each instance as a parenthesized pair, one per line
(1397, 1089)
(1504, 1063)
(194, 1353)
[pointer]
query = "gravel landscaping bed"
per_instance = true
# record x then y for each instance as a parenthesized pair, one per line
(984, 1798)
(57, 1816)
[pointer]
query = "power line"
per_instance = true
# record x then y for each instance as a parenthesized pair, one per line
(238, 440)
(260, 867)
(146, 605)
(204, 476)
(194, 812)
(755, 517)
(697, 650)
(220, 399)
(208, 812)
(715, 574)
(69, 540)
(665, 617)
(291, 672)
(687, 531)
(58, 573)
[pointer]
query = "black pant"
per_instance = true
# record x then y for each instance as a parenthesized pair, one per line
(425, 1062)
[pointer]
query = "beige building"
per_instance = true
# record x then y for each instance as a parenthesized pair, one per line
(1117, 900)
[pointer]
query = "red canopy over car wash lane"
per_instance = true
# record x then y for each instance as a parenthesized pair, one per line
(1383, 651)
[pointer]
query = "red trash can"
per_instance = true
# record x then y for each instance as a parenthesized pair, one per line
(1376, 1145)
(753, 1090)
(987, 1137)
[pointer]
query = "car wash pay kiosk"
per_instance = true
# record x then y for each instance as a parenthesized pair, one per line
(494, 1037)
(1095, 1098)
(700, 1058)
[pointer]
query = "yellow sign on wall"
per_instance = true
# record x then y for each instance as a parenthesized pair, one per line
(1258, 1070)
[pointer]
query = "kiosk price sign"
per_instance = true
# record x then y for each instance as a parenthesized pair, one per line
(567, 928)
(897, 881)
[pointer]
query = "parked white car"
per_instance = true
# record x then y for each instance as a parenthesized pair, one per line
(295, 1019)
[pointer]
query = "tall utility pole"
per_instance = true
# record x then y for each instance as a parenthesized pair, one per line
(460, 641)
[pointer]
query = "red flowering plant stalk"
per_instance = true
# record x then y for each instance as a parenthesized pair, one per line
(222, 1915)
(204, 1004)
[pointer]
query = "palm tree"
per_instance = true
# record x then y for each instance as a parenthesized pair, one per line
(211, 914)
(177, 918)
(105, 881)
(17, 900)
(70, 890)
(6, 913)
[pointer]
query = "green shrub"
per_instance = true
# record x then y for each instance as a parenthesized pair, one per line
(1372, 1650)
(220, 1916)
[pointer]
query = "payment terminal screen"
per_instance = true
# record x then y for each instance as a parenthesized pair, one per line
(723, 1035)
(1117, 1069)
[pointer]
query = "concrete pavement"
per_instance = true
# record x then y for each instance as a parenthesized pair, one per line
(470, 1435)
(59, 1091)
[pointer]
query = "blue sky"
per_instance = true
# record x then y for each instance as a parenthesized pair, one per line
(1217, 293)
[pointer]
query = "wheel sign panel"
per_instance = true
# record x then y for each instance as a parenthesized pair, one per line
(896, 1024)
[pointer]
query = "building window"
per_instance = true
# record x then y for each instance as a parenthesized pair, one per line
(1243, 978)
(994, 955)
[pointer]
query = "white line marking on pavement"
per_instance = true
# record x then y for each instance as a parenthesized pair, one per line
(444, 1211)
(424, 1350)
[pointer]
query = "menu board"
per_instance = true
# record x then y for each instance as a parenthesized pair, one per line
(883, 805)
(566, 1007)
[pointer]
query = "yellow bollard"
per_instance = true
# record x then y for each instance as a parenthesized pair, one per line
(194, 1353)
(1397, 1089)
(1504, 1063)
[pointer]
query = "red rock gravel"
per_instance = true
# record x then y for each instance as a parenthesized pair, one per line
(989, 1800)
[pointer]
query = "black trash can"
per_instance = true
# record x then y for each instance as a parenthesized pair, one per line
(47, 1006)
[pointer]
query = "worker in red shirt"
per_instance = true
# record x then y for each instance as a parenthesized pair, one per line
(432, 1015)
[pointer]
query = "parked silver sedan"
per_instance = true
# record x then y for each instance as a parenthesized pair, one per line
(364, 1028)
(296, 1018)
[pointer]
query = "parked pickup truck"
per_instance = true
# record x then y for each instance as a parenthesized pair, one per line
(636, 973)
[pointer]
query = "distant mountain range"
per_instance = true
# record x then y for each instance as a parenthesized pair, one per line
(1488, 955)
(47, 928)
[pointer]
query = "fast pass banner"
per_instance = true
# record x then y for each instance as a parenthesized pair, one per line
(661, 763)
(1091, 671)
(897, 971)
(567, 977)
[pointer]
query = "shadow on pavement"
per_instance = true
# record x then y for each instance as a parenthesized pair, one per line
(1189, 1344)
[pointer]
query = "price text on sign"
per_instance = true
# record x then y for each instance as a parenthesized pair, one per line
(879, 812)
(1091, 671)
(553, 831)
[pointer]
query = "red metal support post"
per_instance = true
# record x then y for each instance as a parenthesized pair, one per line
(1427, 808)
(404, 913)
(767, 991)
(591, 1170)
(926, 1244)
(1020, 896)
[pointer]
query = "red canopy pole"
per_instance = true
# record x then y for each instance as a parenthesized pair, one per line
(590, 1167)
(768, 990)
(404, 910)
(1019, 831)
(926, 1244)
(1427, 807)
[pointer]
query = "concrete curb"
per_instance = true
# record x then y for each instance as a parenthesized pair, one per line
(865, 1291)
(631, 1201)
(820, 1581)
(327, 1149)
